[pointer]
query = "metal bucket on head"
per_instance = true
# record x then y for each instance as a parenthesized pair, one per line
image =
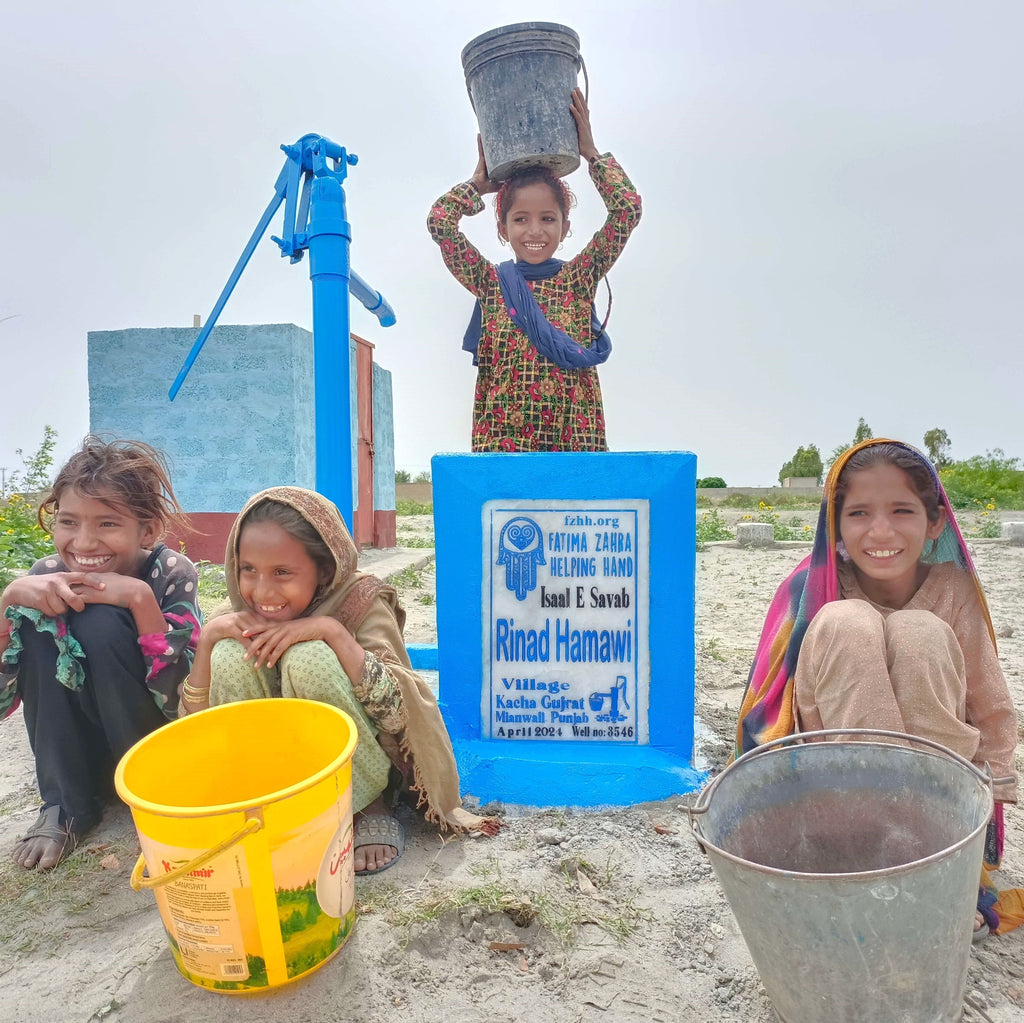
(852, 870)
(520, 80)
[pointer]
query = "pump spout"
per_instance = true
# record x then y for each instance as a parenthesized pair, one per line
(374, 301)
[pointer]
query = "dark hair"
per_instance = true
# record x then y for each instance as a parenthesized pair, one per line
(919, 475)
(536, 175)
(297, 526)
(126, 473)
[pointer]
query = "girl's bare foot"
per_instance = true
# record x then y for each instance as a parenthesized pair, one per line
(44, 844)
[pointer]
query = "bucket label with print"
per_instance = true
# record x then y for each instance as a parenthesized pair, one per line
(203, 915)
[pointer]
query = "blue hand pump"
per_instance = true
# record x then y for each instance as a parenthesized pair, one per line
(310, 185)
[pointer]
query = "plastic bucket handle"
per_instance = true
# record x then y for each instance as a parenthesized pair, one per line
(138, 880)
(703, 803)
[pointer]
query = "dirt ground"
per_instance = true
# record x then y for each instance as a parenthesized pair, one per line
(567, 916)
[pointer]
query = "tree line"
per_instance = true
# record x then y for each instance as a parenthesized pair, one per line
(992, 478)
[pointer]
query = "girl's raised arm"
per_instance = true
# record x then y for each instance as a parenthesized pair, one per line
(616, 190)
(581, 115)
(462, 258)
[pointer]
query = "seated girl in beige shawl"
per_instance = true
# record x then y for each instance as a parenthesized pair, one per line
(302, 622)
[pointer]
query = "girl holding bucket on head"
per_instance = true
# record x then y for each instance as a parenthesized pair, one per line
(99, 635)
(885, 626)
(302, 622)
(534, 335)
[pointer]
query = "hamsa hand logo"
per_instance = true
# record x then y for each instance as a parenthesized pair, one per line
(521, 550)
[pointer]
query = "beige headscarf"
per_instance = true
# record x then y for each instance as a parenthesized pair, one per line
(370, 610)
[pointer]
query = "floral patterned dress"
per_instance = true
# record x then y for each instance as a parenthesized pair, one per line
(167, 655)
(523, 401)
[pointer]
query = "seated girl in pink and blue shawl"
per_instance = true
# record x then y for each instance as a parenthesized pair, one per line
(885, 626)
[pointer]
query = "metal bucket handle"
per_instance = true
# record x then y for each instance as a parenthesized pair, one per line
(704, 798)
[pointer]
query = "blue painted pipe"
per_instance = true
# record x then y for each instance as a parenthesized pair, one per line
(307, 182)
(329, 237)
(374, 301)
(211, 321)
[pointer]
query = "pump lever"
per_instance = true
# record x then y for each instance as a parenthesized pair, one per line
(306, 160)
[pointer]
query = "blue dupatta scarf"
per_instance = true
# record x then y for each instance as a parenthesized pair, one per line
(552, 343)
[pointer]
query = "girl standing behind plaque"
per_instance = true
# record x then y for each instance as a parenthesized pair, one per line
(534, 335)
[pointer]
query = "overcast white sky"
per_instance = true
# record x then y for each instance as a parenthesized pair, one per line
(832, 222)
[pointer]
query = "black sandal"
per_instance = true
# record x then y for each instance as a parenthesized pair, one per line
(55, 827)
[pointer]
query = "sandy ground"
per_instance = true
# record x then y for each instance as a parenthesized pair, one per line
(609, 915)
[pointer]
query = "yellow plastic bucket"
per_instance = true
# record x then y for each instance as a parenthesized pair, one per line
(244, 815)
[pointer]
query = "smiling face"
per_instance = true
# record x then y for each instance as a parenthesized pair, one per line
(93, 536)
(277, 578)
(533, 224)
(884, 526)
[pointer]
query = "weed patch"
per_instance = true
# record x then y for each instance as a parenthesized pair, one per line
(407, 579)
(710, 648)
(589, 895)
(213, 589)
(424, 542)
(413, 508)
(710, 527)
(793, 530)
(984, 522)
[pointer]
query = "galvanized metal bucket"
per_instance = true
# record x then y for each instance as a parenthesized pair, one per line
(852, 869)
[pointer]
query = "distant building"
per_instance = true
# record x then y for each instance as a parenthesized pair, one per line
(243, 421)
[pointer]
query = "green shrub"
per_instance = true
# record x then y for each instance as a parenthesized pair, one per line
(711, 526)
(22, 540)
(710, 481)
(991, 478)
(984, 523)
(781, 531)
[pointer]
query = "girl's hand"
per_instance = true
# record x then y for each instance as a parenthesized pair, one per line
(228, 626)
(130, 593)
(581, 114)
(268, 641)
(481, 180)
(53, 594)
(111, 588)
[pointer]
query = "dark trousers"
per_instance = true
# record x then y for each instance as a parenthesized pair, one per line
(77, 738)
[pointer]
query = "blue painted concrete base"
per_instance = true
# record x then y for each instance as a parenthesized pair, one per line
(492, 769)
(612, 776)
(422, 656)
